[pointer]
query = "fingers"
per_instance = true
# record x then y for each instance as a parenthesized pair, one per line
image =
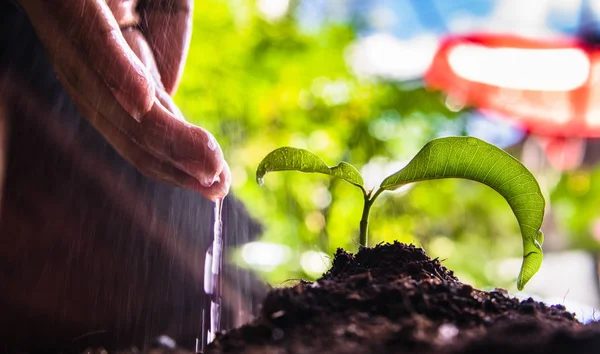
(93, 31)
(144, 161)
(160, 170)
(161, 146)
(192, 149)
(167, 26)
(140, 47)
(164, 131)
(218, 190)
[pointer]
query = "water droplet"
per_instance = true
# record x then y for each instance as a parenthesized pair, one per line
(212, 143)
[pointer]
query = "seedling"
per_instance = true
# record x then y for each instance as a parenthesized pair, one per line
(450, 157)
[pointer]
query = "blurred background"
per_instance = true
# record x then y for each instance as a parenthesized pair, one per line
(370, 82)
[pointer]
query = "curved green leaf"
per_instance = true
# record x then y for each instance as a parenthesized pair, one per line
(471, 158)
(293, 159)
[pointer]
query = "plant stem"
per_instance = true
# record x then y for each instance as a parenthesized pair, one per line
(364, 221)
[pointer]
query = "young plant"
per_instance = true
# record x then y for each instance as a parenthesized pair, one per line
(451, 157)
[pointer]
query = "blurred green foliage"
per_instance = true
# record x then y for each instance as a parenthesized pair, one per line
(576, 202)
(258, 86)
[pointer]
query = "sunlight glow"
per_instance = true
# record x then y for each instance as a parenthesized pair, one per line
(595, 6)
(523, 18)
(378, 168)
(315, 263)
(273, 10)
(383, 55)
(525, 69)
(592, 114)
(315, 221)
(265, 254)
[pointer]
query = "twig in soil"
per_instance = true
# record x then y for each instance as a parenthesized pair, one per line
(288, 280)
(565, 297)
(325, 263)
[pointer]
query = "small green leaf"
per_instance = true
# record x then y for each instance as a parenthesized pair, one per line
(471, 158)
(289, 158)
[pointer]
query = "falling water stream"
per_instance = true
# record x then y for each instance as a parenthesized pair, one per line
(213, 263)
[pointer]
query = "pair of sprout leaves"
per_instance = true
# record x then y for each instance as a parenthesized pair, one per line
(449, 157)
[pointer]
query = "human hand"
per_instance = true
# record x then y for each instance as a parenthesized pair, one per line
(121, 81)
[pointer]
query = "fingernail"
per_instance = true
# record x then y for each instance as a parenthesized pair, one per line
(208, 182)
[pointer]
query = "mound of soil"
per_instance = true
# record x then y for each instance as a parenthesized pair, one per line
(392, 299)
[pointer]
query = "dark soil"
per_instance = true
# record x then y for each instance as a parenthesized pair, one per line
(395, 299)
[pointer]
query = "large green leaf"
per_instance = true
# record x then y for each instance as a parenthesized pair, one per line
(289, 158)
(471, 158)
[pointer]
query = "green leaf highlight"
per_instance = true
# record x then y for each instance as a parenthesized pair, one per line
(293, 159)
(474, 159)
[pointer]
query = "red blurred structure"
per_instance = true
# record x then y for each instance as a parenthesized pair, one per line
(550, 88)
